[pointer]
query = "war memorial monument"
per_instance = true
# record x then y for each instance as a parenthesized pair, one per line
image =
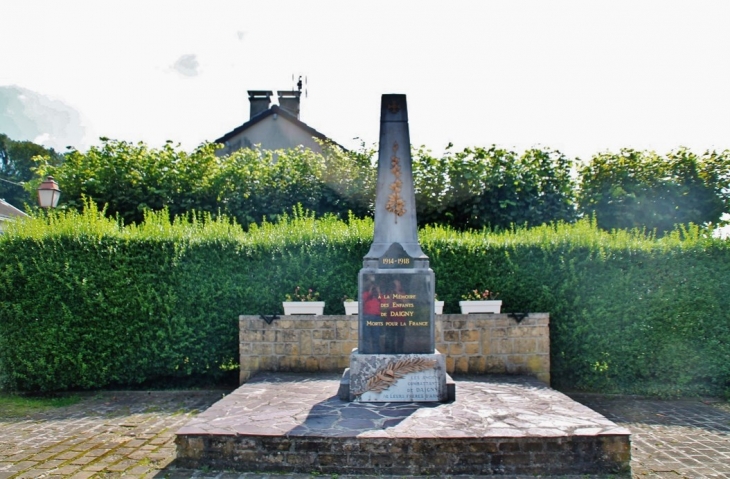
(396, 359)
(395, 410)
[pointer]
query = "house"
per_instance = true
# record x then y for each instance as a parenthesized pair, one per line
(7, 213)
(272, 126)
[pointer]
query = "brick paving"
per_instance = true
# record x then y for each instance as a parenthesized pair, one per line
(671, 439)
(108, 434)
(131, 434)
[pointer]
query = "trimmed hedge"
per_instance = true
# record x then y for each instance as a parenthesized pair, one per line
(88, 303)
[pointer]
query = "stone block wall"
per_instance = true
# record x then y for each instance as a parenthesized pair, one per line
(495, 344)
(296, 343)
(472, 344)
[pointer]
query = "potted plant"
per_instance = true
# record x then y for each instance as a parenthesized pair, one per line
(438, 305)
(351, 305)
(476, 301)
(303, 302)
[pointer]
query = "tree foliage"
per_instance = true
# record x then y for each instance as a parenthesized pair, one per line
(16, 165)
(469, 189)
(635, 189)
(128, 179)
(493, 187)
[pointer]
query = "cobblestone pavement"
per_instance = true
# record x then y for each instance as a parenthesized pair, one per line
(131, 434)
(671, 439)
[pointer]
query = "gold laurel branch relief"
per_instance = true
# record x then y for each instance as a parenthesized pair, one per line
(395, 203)
(388, 374)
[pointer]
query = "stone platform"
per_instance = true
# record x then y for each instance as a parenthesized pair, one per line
(497, 425)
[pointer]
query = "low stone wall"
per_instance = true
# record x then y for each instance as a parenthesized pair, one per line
(495, 343)
(434, 457)
(472, 344)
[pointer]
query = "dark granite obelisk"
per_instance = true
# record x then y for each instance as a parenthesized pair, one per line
(395, 271)
(396, 359)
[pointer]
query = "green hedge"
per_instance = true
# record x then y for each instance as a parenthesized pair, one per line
(87, 303)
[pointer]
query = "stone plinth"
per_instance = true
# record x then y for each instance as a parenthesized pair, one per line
(396, 378)
(286, 422)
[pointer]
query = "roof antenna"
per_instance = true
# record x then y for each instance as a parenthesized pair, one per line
(301, 84)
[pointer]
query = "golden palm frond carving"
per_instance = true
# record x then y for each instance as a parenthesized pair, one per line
(396, 204)
(388, 374)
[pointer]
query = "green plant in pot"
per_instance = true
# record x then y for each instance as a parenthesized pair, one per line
(303, 301)
(480, 301)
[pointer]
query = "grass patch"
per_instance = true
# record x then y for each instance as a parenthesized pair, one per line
(18, 405)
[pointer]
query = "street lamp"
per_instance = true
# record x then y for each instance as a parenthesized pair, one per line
(48, 193)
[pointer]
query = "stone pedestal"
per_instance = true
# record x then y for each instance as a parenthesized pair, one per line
(396, 378)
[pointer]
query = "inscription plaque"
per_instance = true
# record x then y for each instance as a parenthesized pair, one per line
(420, 386)
(404, 319)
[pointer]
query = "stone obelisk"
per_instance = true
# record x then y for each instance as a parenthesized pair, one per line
(396, 359)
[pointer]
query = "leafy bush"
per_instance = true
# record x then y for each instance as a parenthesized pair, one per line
(473, 188)
(470, 189)
(128, 180)
(86, 302)
(629, 313)
(635, 189)
(493, 187)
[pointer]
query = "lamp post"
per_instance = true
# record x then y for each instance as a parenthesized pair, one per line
(48, 193)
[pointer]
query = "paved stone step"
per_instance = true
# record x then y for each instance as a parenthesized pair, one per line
(497, 425)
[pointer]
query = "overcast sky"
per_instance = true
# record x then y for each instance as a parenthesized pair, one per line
(578, 76)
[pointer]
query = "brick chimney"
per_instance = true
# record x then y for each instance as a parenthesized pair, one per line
(289, 100)
(260, 101)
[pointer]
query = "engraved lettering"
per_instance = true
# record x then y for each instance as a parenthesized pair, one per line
(404, 296)
(402, 305)
(417, 323)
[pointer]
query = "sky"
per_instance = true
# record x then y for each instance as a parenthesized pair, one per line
(582, 77)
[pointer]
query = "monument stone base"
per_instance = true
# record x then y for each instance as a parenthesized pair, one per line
(396, 378)
(287, 423)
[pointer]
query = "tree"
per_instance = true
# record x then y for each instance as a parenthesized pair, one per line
(254, 184)
(492, 187)
(128, 179)
(635, 189)
(16, 166)
(350, 178)
(250, 184)
(473, 188)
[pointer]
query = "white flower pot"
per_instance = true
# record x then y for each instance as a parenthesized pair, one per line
(303, 307)
(492, 306)
(438, 307)
(351, 307)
